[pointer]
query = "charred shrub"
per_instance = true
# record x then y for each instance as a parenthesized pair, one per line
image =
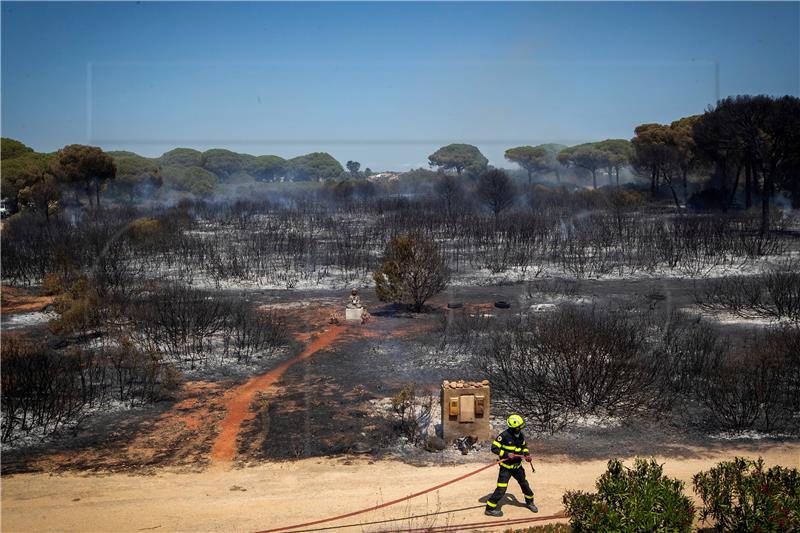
(783, 285)
(784, 345)
(634, 499)
(741, 496)
(43, 389)
(248, 332)
(740, 295)
(138, 377)
(412, 414)
(191, 326)
(179, 321)
(691, 353)
(774, 294)
(569, 363)
(38, 388)
(755, 387)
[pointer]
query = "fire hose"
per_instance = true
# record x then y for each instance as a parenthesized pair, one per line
(408, 497)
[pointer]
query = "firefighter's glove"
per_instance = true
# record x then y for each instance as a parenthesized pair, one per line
(528, 458)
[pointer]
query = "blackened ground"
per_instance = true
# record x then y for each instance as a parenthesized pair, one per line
(178, 432)
(323, 406)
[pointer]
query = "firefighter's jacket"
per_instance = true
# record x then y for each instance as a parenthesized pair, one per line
(506, 443)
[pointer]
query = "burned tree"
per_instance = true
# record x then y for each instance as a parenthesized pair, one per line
(450, 192)
(496, 190)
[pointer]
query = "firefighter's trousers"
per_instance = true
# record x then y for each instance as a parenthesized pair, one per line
(502, 485)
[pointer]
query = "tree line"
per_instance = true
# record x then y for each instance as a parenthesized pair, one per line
(38, 182)
(744, 146)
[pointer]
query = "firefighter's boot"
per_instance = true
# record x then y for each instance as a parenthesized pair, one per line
(532, 507)
(493, 512)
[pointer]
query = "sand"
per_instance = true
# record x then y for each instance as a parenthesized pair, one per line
(279, 494)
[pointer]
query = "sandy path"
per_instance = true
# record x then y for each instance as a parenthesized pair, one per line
(237, 401)
(279, 494)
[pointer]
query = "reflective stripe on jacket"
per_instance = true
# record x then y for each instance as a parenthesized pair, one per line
(506, 443)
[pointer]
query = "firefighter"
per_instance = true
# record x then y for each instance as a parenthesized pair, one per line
(511, 446)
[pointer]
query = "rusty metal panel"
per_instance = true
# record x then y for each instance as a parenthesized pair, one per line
(454, 406)
(480, 404)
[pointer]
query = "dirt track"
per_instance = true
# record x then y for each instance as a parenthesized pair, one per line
(279, 494)
(238, 401)
(17, 300)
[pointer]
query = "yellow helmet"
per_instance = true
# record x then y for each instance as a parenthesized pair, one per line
(515, 422)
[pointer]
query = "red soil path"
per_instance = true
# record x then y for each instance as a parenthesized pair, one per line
(18, 300)
(237, 401)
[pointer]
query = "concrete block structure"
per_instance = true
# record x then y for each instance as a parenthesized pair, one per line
(465, 410)
(353, 314)
(354, 310)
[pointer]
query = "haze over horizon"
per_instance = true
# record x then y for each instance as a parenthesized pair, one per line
(383, 84)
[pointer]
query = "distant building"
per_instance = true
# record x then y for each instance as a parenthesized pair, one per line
(384, 176)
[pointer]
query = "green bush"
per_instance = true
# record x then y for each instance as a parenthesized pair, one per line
(740, 496)
(634, 499)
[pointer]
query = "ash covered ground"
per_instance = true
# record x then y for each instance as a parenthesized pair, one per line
(207, 332)
(337, 402)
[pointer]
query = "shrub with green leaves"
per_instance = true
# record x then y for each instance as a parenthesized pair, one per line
(634, 499)
(741, 496)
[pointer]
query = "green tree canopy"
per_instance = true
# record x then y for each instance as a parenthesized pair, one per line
(652, 151)
(40, 195)
(534, 159)
(10, 148)
(555, 165)
(586, 156)
(194, 180)
(459, 157)
(266, 167)
(135, 174)
(413, 271)
(22, 171)
(353, 168)
(78, 164)
(617, 154)
(225, 163)
(315, 166)
(666, 153)
(687, 157)
(182, 157)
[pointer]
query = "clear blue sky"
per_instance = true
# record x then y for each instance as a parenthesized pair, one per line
(381, 83)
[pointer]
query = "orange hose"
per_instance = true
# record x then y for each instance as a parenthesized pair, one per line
(385, 504)
(489, 523)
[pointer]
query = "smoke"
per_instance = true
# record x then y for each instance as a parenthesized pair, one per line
(784, 204)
